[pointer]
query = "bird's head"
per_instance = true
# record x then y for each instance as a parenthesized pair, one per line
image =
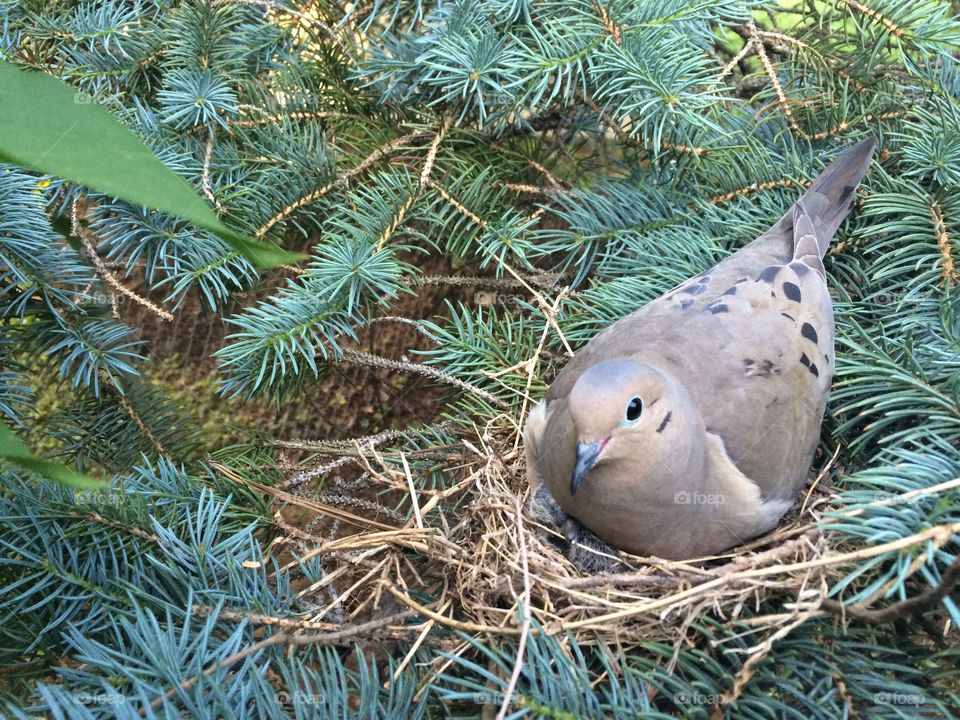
(625, 411)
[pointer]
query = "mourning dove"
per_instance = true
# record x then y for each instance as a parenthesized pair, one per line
(689, 426)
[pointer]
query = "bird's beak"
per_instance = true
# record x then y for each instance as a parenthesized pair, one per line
(587, 455)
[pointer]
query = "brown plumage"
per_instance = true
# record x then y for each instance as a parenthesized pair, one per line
(689, 426)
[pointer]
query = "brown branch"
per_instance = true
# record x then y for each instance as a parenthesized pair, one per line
(948, 273)
(365, 359)
(894, 29)
(395, 222)
(205, 174)
(138, 421)
(457, 205)
(104, 272)
(735, 60)
(750, 189)
(253, 618)
(280, 117)
(614, 126)
(843, 126)
(547, 192)
(115, 525)
(542, 280)
(784, 102)
(912, 606)
(624, 136)
(432, 153)
(612, 28)
(770, 37)
(304, 18)
(341, 180)
(775, 81)
(539, 167)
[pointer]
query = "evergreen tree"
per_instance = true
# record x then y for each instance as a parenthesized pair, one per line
(569, 160)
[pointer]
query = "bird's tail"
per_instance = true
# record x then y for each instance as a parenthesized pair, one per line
(826, 204)
(808, 248)
(829, 199)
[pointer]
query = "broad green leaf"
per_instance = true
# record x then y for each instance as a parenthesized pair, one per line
(45, 125)
(14, 451)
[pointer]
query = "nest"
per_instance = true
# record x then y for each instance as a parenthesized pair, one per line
(468, 557)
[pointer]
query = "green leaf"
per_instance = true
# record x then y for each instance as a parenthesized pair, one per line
(45, 125)
(13, 450)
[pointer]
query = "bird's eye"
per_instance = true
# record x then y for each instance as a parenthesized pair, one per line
(634, 408)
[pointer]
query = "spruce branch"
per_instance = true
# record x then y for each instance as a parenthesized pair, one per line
(265, 117)
(905, 608)
(290, 639)
(754, 188)
(738, 58)
(948, 273)
(544, 281)
(874, 15)
(113, 524)
(365, 359)
(298, 500)
(547, 192)
(108, 277)
(458, 206)
(205, 174)
(138, 421)
(365, 443)
(554, 181)
(307, 474)
(625, 135)
(771, 72)
(431, 159)
(342, 179)
(415, 324)
(254, 618)
(395, 222)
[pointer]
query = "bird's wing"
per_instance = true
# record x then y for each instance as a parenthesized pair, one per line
(758, 363)
(826, 203)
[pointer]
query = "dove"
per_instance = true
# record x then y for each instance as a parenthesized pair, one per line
(690, 425)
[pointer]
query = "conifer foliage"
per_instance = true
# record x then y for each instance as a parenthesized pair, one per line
(570, 160)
